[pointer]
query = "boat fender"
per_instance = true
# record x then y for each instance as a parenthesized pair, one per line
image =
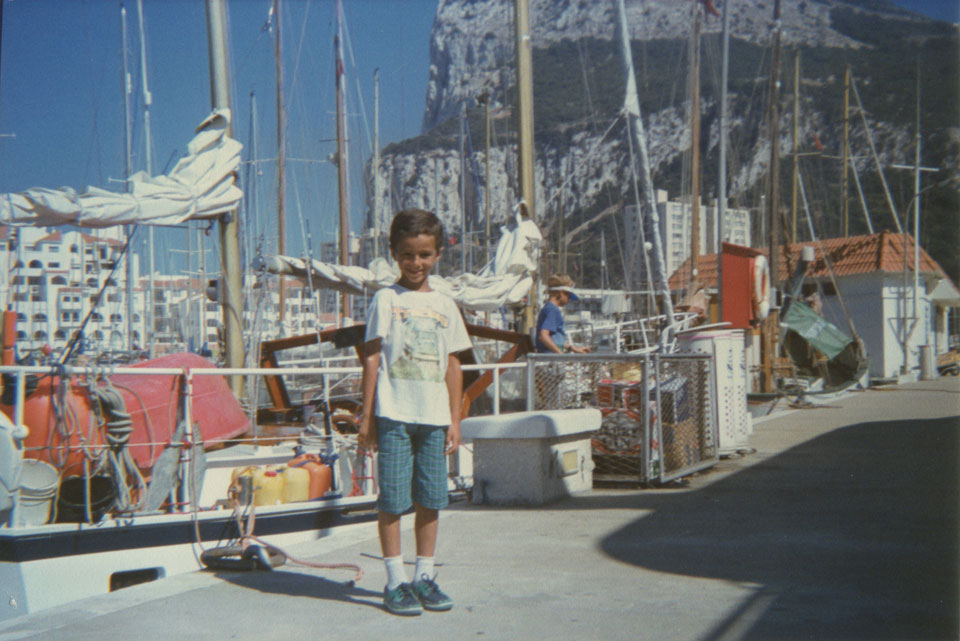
(235, 557)
(761, 288)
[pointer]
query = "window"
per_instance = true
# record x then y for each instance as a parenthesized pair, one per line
(58, 280)
(36, 264)
(53, 264)
(91, 282)
(116, 318)
(39, 318)
(96, 317)
(74, 249)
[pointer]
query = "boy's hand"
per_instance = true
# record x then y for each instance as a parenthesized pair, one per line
(367, 436)
(453, 438)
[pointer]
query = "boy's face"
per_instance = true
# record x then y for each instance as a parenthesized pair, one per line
(416, 256)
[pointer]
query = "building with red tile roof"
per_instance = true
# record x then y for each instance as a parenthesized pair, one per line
(874, 277)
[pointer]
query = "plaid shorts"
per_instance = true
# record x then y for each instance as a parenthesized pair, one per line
(411, 466)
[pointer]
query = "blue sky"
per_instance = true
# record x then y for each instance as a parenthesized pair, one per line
(61, 96)
(60, 93)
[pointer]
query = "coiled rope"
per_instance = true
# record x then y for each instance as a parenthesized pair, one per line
(118, 425)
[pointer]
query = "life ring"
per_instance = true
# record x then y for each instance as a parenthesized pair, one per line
(761, 287)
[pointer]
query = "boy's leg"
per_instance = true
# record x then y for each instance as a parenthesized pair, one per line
(429, 496)
(394, 467)
(388, 526)
(425, 527)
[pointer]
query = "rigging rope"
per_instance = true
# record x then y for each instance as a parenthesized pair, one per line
(826, 259)
(876, 158)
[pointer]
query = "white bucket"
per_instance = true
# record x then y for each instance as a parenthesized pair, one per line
(38, 486)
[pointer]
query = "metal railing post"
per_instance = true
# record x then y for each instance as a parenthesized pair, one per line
(531, 388)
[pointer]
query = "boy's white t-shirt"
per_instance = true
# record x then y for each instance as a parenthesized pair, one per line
(419, 330)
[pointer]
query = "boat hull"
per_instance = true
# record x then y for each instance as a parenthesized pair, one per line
(102, 557)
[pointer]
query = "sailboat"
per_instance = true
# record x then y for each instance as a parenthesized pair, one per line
(123, 476)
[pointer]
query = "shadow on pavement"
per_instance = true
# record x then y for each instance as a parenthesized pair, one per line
(292, 583)
(852, 535)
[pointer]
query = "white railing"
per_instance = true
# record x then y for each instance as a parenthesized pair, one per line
(188, 373)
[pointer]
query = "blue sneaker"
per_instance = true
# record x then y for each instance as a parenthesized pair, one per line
(430, 595)
(401, 600)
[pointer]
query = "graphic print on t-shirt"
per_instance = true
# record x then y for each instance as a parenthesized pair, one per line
(420, 354)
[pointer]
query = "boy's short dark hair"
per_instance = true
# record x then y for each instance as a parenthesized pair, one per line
(413, 222)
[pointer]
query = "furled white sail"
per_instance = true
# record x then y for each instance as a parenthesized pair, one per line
(503, 282)
(201, 185)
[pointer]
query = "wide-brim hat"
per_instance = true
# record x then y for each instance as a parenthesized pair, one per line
(562, 283)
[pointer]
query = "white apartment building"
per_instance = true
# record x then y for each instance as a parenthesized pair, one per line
(676, 230)
(52, 278)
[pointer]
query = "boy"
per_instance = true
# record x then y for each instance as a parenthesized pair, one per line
(412, 390)
(551, 334)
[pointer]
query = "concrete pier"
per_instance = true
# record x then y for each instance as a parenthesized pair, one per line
(842, 524)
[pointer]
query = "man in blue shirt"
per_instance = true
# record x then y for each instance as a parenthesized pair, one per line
(551, 334)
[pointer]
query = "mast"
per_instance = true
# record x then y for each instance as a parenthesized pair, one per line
(127, 170)
(376, 163)
(632, 108)
(230, 269)
(844, 152)
(796, 142)
(484, 99)
(148, 152)
(281, 155)
(341, 160)
(525, 160)
(695, 147)
(916, 207)
(253, 207)
(463, 190)
(773, 201)
(722, 171)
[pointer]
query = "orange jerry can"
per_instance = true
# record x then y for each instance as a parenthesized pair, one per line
(321, 474)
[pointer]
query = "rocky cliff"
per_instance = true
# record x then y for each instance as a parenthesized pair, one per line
(583, 153)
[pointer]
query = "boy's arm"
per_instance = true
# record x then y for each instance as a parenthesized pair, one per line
(547, 339)
(454, 380)
(367, 436)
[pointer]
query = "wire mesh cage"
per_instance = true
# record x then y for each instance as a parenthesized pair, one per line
(658, 422)
(685, 425)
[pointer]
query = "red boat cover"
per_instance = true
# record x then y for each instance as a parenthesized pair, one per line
(61, 430)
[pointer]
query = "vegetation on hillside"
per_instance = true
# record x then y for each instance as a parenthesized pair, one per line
(578, 86)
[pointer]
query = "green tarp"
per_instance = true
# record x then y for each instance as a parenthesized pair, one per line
(815, 329)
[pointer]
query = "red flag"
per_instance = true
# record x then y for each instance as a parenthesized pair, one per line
(817, 143)
(710, 8)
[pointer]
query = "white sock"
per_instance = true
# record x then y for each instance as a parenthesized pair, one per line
(424, 566)
(396, 573)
